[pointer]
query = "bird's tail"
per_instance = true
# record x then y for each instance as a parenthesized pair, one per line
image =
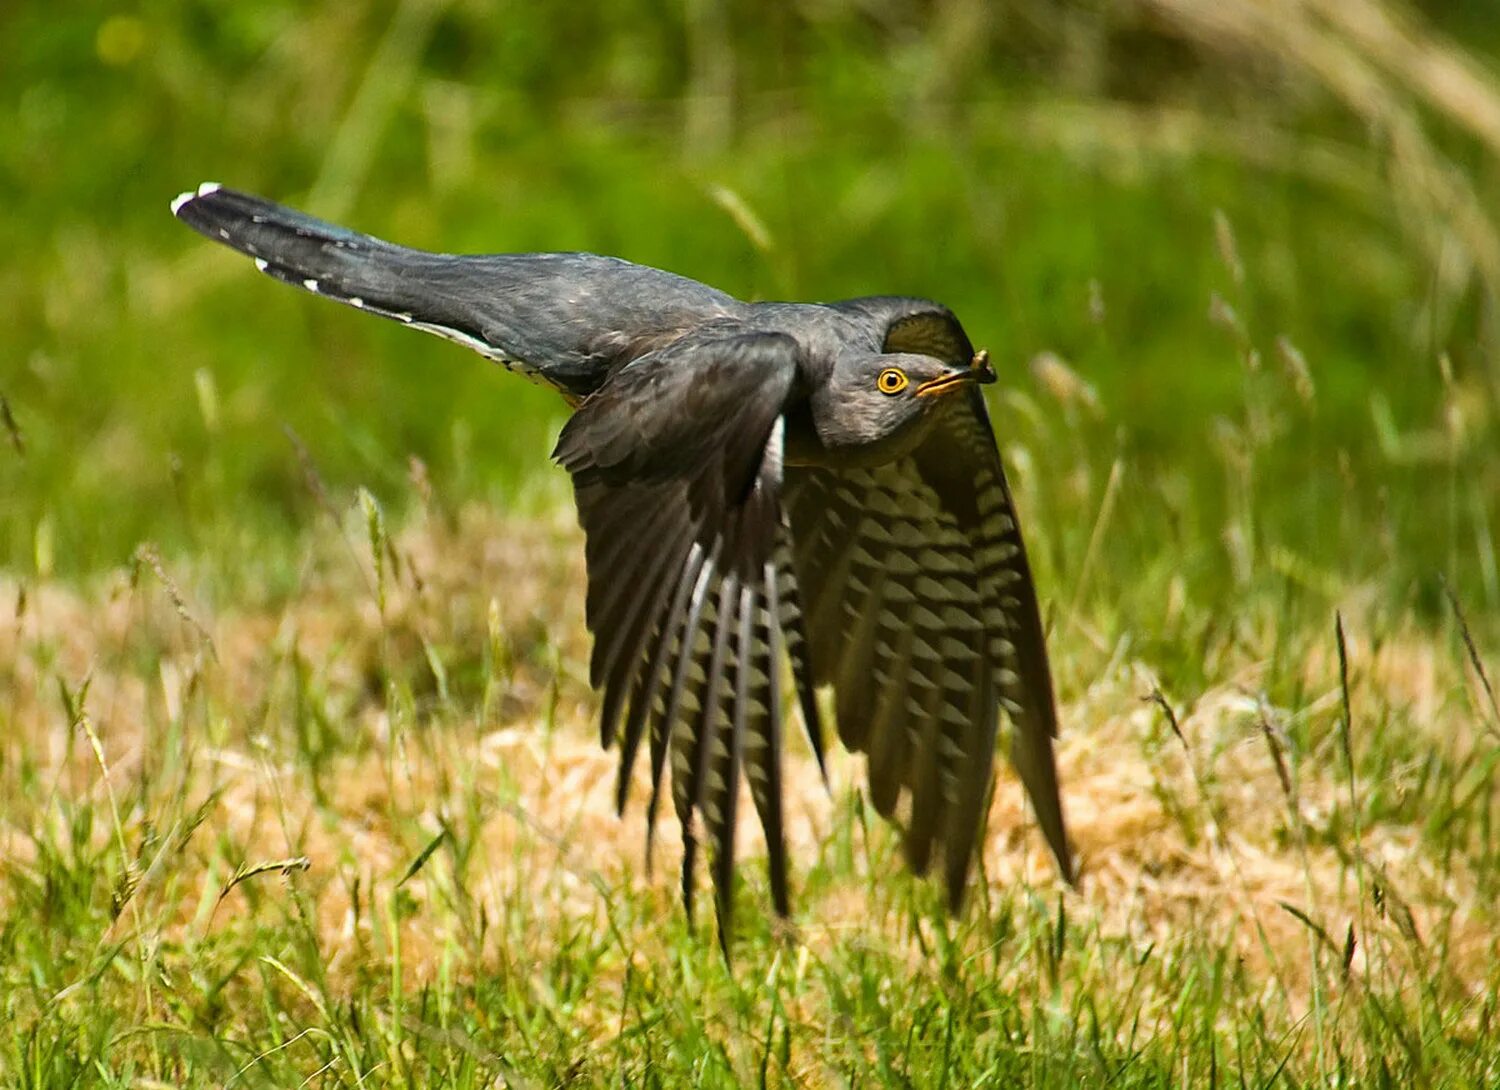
(560, 318)
(332, 261)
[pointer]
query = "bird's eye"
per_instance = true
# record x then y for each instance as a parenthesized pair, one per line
(891, 381)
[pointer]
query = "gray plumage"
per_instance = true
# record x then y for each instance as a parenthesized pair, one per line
(818, 481)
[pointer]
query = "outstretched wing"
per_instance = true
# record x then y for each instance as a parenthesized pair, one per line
(923, 616)
(677, 471)
(566, 319)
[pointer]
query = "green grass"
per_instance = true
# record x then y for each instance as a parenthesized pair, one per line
(298, 777)
(364, 843)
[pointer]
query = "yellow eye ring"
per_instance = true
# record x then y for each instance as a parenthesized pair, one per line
(891, 381)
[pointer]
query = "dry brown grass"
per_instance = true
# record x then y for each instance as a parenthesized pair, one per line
(1178, 834)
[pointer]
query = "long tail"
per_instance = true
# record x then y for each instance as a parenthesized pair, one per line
(556, 317)
(363, 271)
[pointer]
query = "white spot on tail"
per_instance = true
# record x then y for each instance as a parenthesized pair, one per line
(209, 187)
(310, 285)
(261, 264)
(180, 200)
(469, 341)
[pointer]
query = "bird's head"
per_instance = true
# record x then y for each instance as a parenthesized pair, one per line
(876, 407)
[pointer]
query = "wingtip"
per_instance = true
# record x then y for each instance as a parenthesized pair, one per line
(1062, 854)
(726, 941)
(203, 190)
(1068, 866)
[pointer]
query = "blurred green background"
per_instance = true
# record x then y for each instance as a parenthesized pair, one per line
(1237, 261)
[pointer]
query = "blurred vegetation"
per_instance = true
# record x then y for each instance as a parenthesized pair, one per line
(1259, 235)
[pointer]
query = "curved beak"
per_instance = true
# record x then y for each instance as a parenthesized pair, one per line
(979, 372)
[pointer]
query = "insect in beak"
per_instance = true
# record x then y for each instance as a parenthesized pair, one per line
(979, 371)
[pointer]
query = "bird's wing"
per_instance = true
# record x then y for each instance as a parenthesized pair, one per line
(901, 323)
(922, 614)
(677, 471)
(565, 318)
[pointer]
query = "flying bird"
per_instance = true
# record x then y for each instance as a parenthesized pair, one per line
(756, 482)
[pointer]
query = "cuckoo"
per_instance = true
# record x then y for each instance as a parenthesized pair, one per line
(758, 484)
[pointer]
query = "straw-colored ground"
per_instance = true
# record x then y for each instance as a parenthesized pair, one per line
(314, 738)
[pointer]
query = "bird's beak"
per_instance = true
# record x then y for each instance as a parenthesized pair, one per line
(979, 371)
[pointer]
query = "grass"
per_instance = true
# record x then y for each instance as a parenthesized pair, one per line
(378, 841)
(299, 782)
